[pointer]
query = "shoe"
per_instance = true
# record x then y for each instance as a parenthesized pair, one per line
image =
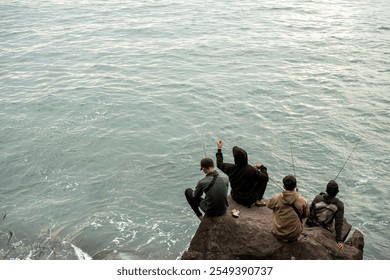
(235, 213)
(260, 203)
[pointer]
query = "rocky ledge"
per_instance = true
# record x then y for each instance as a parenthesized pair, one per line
(249, 237)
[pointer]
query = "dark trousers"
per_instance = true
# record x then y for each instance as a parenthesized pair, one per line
(194, 203)
(249, 199)
(262, 191)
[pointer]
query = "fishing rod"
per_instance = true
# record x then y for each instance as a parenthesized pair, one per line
(273, 181)
(360, 138)
(292, 160)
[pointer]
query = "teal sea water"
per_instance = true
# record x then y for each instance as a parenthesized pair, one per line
(107, 107)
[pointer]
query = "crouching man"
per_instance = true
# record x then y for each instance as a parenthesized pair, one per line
(215, 189)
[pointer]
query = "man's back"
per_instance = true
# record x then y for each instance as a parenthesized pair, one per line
(287, 220)
(216, 197)
(317, 208)
(245, 180)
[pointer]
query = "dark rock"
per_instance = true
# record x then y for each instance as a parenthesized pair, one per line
(249, 237)
(357, 241)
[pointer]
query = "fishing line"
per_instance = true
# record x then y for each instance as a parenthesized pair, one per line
(2, 220)
(204, 147)
(360, 138)
(292, 159)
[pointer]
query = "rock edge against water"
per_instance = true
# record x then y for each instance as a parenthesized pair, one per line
(249, 237)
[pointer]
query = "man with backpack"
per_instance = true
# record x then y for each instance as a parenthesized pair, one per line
(325, 209)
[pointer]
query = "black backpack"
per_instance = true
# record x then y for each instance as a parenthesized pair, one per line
(324, 213)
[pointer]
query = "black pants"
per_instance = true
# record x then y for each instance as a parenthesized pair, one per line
(248, 200)
(194, 203)
(261, 194)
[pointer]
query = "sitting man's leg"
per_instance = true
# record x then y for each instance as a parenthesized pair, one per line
(194, 203)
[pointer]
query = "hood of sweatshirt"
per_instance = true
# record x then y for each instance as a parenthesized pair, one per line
(328, 198)
(288, 197)
(240, 156)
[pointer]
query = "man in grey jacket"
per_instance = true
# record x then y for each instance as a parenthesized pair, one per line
(215, 189)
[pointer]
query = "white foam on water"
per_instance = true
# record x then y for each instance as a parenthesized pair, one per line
(81, 255)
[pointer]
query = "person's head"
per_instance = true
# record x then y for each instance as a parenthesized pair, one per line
(240, 156)
(207, 165)
(289, 182)
(332, 188)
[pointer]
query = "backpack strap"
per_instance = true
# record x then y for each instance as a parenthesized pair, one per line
(296, 210)
(323, 195)
(206, 189)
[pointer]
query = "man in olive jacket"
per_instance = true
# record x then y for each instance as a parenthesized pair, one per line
(289, 211)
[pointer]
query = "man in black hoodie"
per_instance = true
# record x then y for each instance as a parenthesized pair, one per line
(248, 183)
(325, 203)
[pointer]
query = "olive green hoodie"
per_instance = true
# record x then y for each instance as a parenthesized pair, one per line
(287, 225)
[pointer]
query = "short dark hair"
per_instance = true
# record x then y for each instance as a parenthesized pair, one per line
(206, 163)
(289, 182)
(332, 188)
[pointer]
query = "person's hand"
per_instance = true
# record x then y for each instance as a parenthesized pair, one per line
(219, 144)
(259, 166)
(340, 245)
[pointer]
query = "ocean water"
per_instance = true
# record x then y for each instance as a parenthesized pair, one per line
(107, 107)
